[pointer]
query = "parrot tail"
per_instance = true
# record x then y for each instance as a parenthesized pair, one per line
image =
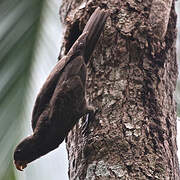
(93, 28)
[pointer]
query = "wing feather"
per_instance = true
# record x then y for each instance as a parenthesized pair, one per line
(47, 91)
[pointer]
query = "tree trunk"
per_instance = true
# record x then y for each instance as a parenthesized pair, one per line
(131, 81)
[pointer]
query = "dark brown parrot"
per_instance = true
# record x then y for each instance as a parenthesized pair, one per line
(61, 101)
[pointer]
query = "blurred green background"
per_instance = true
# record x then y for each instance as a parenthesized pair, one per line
(30, 39)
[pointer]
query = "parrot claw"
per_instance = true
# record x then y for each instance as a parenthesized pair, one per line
(90, 117)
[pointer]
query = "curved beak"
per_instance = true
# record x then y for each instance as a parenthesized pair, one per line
(20, 165)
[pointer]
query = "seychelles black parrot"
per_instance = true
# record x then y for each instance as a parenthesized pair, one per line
(61, 101)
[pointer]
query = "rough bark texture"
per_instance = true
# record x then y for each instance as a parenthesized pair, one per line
(131, 81)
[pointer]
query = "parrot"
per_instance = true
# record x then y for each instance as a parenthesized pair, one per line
(61, 101)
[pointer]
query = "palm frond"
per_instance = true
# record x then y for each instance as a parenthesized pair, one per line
(19, 23)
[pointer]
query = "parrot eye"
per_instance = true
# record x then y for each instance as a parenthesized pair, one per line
(18, 151)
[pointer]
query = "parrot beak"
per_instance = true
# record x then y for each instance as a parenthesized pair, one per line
(20, 165)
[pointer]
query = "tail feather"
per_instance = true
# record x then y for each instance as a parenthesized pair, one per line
(94, 28)
(87, 41)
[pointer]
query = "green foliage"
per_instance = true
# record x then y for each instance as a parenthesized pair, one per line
(19, 22)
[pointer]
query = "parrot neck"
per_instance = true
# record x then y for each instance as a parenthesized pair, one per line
(41, 146)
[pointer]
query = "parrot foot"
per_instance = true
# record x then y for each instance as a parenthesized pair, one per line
(90, 117)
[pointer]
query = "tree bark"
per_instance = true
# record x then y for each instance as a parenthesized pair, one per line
(131, 81)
